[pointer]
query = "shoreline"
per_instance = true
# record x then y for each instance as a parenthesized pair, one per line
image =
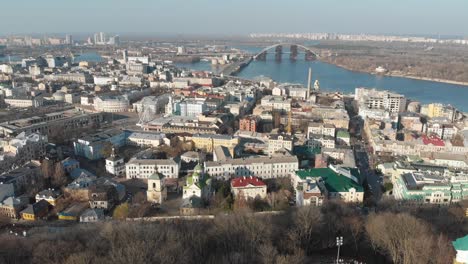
(402, 75)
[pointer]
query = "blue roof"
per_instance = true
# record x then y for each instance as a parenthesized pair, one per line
(75, 173)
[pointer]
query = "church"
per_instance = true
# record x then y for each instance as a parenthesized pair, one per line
(157, 191)
(198, 184)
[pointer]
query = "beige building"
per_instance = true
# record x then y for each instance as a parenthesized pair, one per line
(208, 142)
(278, 142)
(157, 191)
(264, 167)
(248, 188)
(144, 168)
(24, 102)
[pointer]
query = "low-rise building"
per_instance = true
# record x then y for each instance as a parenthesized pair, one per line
(102, 196)
(92, 215)
(248, 188)
(12, 206)
(146, 139)
(73, 212)
(263, 167)
(329, 183)
(99, 145)
(22, 148)
(157, 191)
(50, 195)
(51, 123)
(320, 141)
(208, 142)
(198, 184)
(144, 168)
(431, 187)
(276, 103)
(111, 104)
(23, 102)
(249, 123)
(152, 104)
(115, 164)
(69, 164)
(278, 142)
(320, 129)
(35, 211)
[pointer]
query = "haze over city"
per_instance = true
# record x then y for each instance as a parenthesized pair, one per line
(235, 17)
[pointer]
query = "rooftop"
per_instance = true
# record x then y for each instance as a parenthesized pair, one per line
(246, 181)
(334, 182)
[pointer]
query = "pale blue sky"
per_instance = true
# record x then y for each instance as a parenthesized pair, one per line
(229, 17)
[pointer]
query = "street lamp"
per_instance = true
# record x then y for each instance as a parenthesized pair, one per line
(339, 243)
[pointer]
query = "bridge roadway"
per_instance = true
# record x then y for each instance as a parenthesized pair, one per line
(236, 67)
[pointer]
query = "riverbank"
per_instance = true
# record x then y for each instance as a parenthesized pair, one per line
(399, 75)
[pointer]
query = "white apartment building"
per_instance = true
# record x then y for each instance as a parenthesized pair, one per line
(192, 107)
(319, 141)
(111, 104)
(263, 167)
(375, 99)
(144, 168)
(279, 141)
(276, 103)
(153, 104)
(146, 139)
(321, 129)
(19, 102)
(103, 80)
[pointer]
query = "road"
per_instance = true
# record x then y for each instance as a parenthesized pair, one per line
(364, 157)
(366, 168)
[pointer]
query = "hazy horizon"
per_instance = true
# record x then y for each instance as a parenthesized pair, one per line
(237, 18)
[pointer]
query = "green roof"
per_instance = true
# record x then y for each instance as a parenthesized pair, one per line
(156, 176)
(198, 167)
(306, 151)
(334, 182)
(461, 243)
(202, 181)
(342, 134)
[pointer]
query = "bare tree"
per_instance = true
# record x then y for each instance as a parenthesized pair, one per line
(307, 222)
(47, 168)
(403, 237)
(59, 178)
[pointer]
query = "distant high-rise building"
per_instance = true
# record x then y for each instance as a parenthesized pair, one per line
(68, 40)
(115, 40)
(125, 55)
(96, 38)
(102, 37)
(181, 50)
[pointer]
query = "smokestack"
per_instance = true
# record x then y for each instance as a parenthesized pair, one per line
(309, 82)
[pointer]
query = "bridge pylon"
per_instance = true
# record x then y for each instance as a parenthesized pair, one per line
(293, 54)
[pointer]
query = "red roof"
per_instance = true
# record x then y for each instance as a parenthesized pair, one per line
(434, 140)
(244, 181)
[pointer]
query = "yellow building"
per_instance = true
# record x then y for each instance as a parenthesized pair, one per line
(73, 212)
(434, 110)
(35, 211)
(208, 142)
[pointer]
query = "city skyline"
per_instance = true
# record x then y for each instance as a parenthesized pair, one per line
(208, 17)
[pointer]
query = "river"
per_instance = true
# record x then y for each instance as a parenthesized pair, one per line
(334, 78)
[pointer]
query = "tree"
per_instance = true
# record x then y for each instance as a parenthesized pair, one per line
(121, 211)
(388, 186)
(47, 168)
(59, 178)
(106, 149)
(406, 239)
(307, 222)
